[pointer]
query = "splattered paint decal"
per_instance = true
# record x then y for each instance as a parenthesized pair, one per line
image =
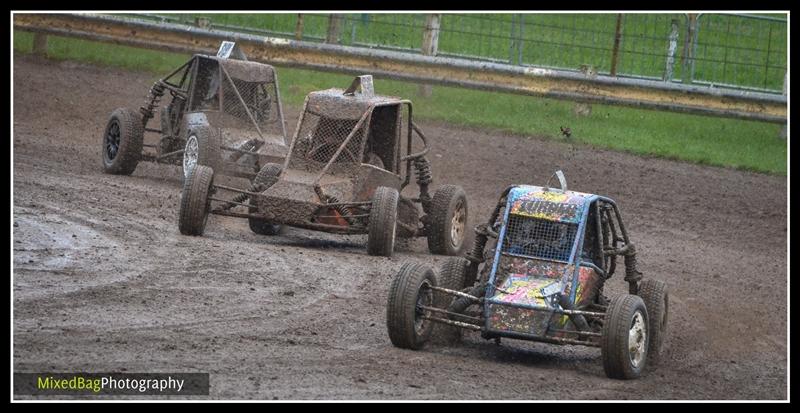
(521, 289)
(552, 205)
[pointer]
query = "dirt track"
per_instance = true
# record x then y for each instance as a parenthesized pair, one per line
(103, 281)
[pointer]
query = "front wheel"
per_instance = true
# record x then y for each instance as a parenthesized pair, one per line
(202, 148)
(405, 316)
(453, 276)
(448, 220)
(382, 227)
(266, 177)
(196, 200)
(122, 142)
(625, 337)
(656, 299)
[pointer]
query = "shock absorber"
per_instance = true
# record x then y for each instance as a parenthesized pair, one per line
(343, 210)
(632, 275)
(239, 199)
(483, 231)
(481, 237)
(422, 169)
(152, 101)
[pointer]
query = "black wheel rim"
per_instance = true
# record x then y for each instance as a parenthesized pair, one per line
(112, 140)
(424, 299)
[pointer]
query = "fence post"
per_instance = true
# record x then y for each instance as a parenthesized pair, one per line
(615, 51)
(298, 28)
(430, 45)
(334, 28)
(687, 68)
(671, 49)
(40, 44)
(580, 108)
(202, 22)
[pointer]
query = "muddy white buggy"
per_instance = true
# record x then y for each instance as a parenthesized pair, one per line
(224, 112)
(542, 281)
(349, 160)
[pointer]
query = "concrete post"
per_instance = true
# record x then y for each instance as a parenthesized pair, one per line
(585, 109)
(672, 47)
(430, 45)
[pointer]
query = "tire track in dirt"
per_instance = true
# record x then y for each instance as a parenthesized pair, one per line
(302, 315)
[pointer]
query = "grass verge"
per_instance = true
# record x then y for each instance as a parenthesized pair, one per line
(734, 143)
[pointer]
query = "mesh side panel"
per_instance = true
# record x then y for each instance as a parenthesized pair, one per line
(259, 98)
(318, 140)
(206, 87)
(534, 237)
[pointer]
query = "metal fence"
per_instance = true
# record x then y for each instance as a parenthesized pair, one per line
(421, 65)
(729, 50)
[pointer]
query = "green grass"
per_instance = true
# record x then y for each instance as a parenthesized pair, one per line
(706, 140)
(731, 49)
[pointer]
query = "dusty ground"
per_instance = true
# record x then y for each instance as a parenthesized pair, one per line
(103, 281)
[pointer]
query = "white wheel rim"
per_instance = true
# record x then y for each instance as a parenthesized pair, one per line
(637, 339)
(190, 155)
(457, 224)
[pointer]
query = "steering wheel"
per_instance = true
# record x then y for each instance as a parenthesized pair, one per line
(259, 108)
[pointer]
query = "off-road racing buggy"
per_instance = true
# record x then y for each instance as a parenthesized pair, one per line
(224, 112)
(344, 174)
(542, 281)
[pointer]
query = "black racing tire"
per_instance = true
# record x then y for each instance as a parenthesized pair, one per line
(453, 276)
(265, 178)
(196, 200)
(656, 298)
(448, 220)
(403, 320)
(203, 147)
(122, 142)
(382, 227)
(625, 313)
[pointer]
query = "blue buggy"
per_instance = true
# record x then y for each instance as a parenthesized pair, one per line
(541, 280)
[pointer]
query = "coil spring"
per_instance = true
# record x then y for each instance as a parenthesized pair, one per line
(476, 254)
(343, 210)
(631, 273)
(153, 100)
(422, 168)
(255, 187)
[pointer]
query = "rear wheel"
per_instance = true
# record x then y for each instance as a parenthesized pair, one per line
(625, 337)
(202, 148)
(382, 227)
(656, 299)
(448, 220)
(265, 178)
(122, 142)
(196, 200)
(452, 276)
(410, 290)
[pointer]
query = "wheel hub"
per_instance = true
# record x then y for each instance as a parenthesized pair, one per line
(637, 339)
(458, 223)
(190, 155)
(112, 140)
(424, 298)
